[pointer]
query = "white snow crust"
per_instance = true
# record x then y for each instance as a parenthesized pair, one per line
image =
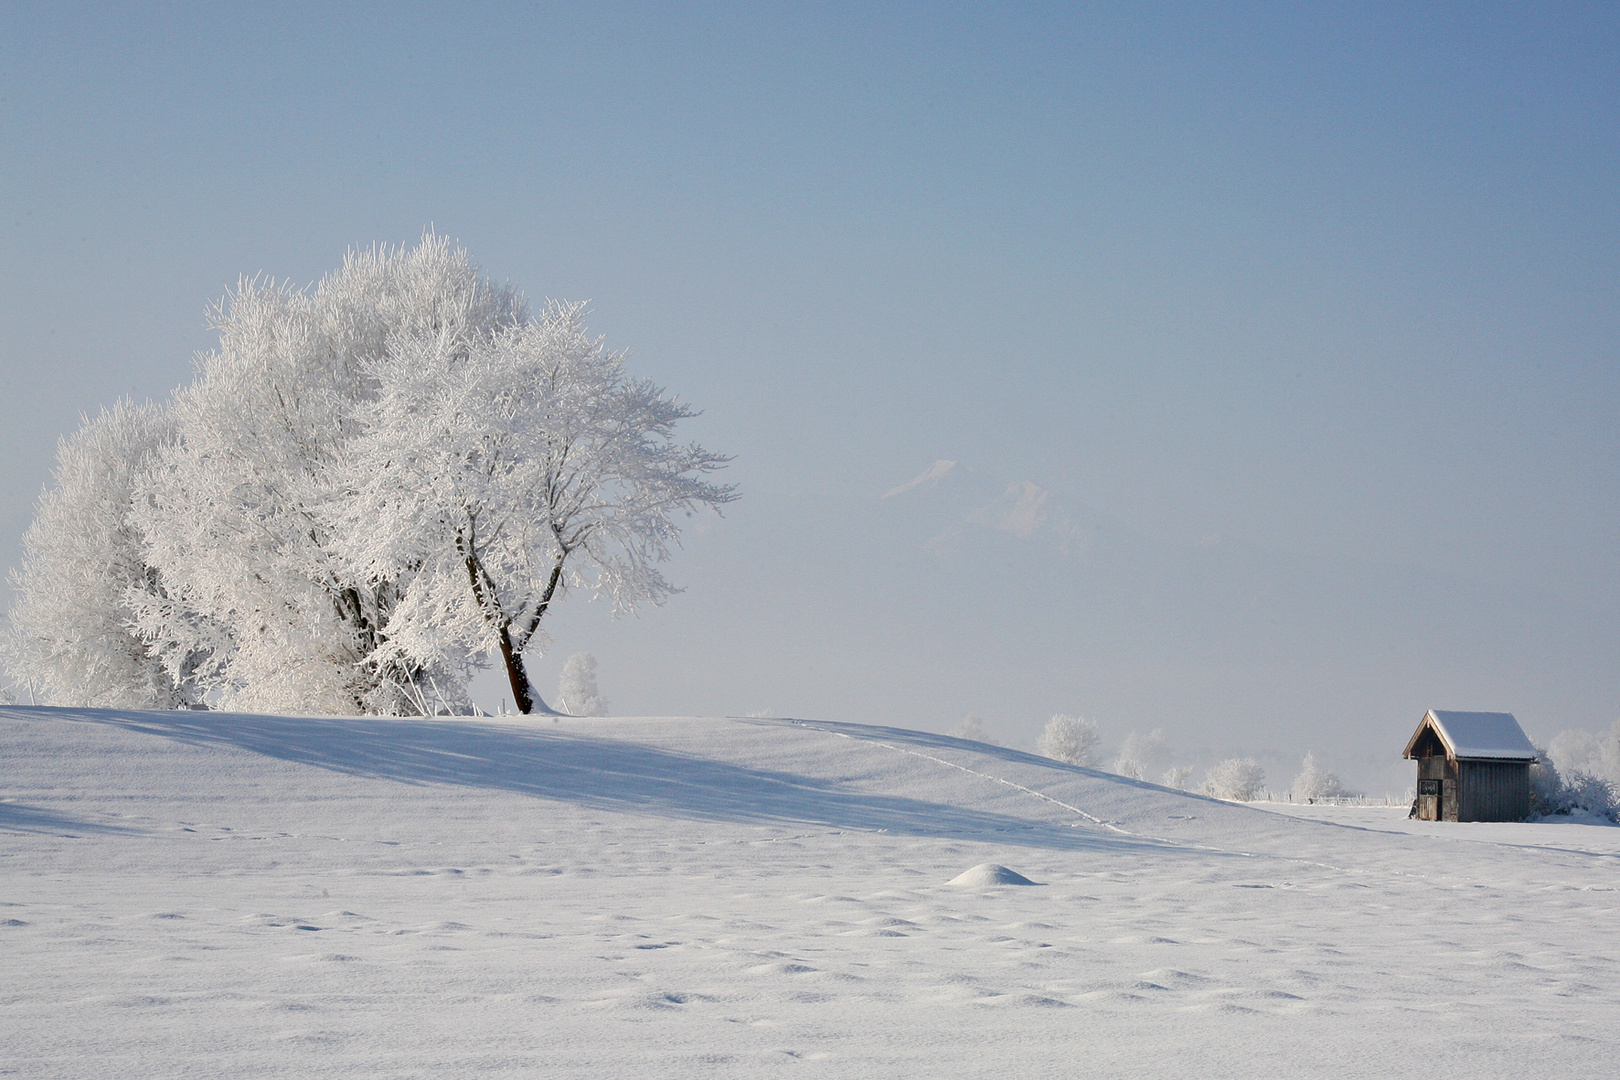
(1483, 735)
(204, 895)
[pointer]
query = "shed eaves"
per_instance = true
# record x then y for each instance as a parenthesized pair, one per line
(1483, 735)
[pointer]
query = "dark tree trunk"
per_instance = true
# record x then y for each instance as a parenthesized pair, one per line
(523, 695)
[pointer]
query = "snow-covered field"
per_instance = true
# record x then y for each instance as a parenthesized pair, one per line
(211, 895)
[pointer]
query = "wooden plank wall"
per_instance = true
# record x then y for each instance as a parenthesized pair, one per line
(1493, 790)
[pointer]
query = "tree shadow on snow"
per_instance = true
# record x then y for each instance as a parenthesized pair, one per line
(930, 743)
(606, 773)
(15, 817)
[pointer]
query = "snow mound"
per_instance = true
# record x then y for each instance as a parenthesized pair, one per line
(989, 874)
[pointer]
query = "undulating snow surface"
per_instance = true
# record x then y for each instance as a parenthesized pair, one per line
(210, 895)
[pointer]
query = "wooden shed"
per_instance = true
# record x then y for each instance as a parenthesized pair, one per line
(1472, 766)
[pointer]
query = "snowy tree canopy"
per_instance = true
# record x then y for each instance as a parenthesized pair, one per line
(1572, 790)
(1177, 776)
(1315, 782)
(493, 475)
(1241, 779)
(970, 727)
(1071, 739)
(1588, 752)
(577, 692)
(72, 638)
(372, 487)
(236, 522)
(1141, 754)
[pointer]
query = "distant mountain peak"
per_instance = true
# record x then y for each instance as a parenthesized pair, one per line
(1020, 510)
(930, 479)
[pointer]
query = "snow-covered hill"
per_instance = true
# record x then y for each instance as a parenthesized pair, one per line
(961, 591)
(199, 894)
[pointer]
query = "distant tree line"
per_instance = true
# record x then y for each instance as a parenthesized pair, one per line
(1075, 740)
(1577, 774)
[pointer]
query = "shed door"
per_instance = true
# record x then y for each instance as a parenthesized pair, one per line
(1429, 800)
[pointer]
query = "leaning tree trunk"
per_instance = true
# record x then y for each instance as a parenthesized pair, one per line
(523, 695)
(483, 587)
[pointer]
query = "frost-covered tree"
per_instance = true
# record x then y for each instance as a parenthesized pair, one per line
(1129, 767)
(1314, 782)
(1070, 739)
(1177, 776)
(1241, 779)
(1572, 791)
(1579, 793)
(1140, 754)
(369, 486)
(972, 728)
(496, 472)
(576, 687)
(1588, 752)
(84, 575)
(235, 518)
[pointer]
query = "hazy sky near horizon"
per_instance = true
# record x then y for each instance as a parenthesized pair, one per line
(1336, 279)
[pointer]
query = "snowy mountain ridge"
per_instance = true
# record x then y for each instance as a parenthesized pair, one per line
(1022, 509)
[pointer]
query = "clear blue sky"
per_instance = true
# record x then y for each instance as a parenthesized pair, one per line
(1335, 279)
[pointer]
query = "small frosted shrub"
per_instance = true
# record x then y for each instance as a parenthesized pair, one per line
(1129, 768)
(1240, 779)
(1142, 755)
(1544, 782)
(1574, 793)
(576, 688)
(1178, 777)
(971, 728)
(1069, 739)
(1584, 793)
(1149, 752)
(1314, 782)
(1584, 752)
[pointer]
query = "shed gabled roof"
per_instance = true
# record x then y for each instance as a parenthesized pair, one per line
(1494, 735)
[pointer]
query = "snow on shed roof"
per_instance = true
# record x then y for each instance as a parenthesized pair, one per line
(1477, 735)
